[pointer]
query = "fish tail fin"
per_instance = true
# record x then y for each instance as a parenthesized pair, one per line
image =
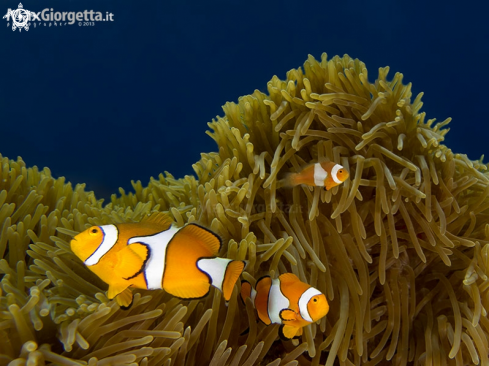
(222, 272)
(233, 271)
(290, 180)
(246, 290)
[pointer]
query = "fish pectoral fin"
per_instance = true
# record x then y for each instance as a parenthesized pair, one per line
(131, 260)
(329, 184)
(115, 290)
(141, 250)
(288, 332)
(288, 315)
(187, 289)
(124, 299)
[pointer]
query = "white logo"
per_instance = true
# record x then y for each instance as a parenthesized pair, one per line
(20, 17)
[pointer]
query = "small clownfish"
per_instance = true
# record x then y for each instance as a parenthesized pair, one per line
(154, 254)
(325, 174)
(286, 301)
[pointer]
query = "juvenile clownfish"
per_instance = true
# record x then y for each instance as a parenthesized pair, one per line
(286, 301)
(325, 174)
(154, 254)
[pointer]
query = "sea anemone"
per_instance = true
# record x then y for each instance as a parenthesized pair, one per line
(401, 249)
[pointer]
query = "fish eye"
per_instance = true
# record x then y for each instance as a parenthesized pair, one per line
(93, 231)
(340, 171)
(315, 300)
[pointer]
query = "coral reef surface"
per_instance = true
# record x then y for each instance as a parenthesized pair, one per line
(401, 249)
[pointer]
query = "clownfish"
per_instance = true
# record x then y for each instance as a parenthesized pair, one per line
(154, 254)
(287, 301)
(325, 174)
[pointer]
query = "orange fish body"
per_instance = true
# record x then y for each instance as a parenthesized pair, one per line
(286, 301)
(325, 174)
(154, 254)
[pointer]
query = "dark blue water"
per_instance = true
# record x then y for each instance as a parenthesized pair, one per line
(128, 99)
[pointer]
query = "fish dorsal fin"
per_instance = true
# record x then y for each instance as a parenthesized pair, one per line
(288, 278)
(158, 218)
(203, 235)
(326, 163)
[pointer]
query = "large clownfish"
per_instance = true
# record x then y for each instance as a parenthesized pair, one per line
(286, 301)
(154, 254)
(325, 174)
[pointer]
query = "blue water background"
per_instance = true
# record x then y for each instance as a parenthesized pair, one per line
(128, 99)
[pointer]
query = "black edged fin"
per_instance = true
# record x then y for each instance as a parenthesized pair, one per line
(138, 248)
(287, 315)
(231, 275)
(208, 237)
(288, 278)
(126, 307)
(281, 333)
(260, 279)
(114, 290)
(187, 293)
(242, 295)
(285, 330)
(125, 299)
